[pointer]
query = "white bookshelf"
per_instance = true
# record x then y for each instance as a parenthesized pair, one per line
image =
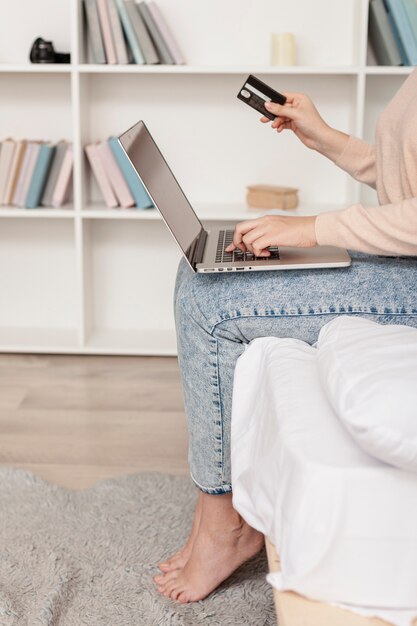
(83, 279)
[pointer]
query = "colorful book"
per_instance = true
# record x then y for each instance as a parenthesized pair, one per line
(156, 35)
(114, 175)
(100, 175)
(116, 27)
(166, 34)
(410, 7)
(33, 148)
(40, 174)
(142, 35)
(6, 159)
(103, 14)
(137, 190)
(14, 171)
(94, 31)
(18, 193)
(63, 184)
(54, 170)
(129, 31)
(402, 31)
(381, 36)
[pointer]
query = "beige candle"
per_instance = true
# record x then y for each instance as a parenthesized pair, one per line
(283, 49)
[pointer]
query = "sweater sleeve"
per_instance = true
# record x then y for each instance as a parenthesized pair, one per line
(358, 159)
(389, 229)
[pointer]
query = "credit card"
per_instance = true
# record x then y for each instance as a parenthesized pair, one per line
(255, 93)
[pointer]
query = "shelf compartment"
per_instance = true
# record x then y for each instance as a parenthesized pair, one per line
(38, 280)
(36, 107)
(130, 270)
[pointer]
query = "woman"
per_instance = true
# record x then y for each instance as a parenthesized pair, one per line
(217, 315)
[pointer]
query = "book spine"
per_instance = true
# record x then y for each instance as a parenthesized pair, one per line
(381, 36)
(119, 41)
(40, 175)
(115, 175)
(100, 175)
(15, 171)
(408, 48)
(103, 13)
(154, 32)
(166, 33)
(94, 31)
(6, 159)
(130, 33)
(410, 7)
(53, 173)
(137, 190)
(64, 179)
(18, 194)
(142, 35)
(33, 155)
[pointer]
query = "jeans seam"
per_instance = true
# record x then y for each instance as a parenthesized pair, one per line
(238, 315)
(212, 490)
(219, 413)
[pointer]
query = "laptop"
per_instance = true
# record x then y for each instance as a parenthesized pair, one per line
(204, 248)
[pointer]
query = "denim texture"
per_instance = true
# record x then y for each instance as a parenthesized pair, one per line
(217, 315)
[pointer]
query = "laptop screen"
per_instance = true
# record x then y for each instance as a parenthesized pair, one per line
(161, 185)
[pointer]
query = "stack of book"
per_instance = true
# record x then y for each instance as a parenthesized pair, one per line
(116, 178)
(121, 31)
(393, 31)
(35, 173)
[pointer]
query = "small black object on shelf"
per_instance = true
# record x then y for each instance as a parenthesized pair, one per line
(43, 52)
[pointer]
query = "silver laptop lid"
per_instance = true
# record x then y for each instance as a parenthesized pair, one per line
(162, 186)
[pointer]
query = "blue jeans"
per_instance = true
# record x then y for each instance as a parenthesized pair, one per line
(217, 315)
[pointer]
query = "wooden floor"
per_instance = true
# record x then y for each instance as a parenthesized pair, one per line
(77, 419)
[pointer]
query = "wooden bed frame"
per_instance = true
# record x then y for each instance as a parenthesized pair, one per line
(294, 610)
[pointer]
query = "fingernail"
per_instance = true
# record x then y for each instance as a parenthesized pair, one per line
(268, 105)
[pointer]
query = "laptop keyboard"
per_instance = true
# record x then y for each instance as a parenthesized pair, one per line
(226, 238)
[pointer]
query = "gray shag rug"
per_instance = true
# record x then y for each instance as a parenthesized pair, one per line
(75, 558)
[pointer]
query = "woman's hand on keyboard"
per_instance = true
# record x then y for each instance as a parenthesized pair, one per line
(256, 236)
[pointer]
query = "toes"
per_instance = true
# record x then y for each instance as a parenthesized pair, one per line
(165, 579)
(183, 598)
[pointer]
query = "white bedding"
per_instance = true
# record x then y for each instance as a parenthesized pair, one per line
(344, 523)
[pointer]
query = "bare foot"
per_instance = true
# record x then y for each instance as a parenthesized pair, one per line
(220, 547)
(179, 559)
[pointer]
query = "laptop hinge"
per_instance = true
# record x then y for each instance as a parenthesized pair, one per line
(197, 249)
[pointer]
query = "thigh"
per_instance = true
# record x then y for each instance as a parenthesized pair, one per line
(376, 286)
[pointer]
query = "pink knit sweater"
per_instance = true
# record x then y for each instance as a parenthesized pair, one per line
(390, 166)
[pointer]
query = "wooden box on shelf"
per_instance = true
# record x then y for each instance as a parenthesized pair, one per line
(271, 197)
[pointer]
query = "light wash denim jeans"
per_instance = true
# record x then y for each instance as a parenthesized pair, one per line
(218, 314)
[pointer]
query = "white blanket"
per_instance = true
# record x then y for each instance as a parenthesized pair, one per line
(344, 523)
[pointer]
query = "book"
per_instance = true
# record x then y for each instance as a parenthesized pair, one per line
(166, 33)
(129, 31)
(137, 190)
(158, 40)
(14, 171)
(40, 174)
(114, 175)
(381, 36)
(142, 35)
(63, 183)
(6, 158)
(410, 7)
(402, 31)
(33, 149)
(94, 31)
(100, 175)
(54, 170)
(116, 27)
(18, 193)
(103, 14)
